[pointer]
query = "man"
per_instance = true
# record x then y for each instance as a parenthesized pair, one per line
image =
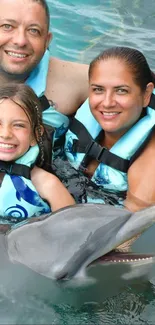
(24, 39)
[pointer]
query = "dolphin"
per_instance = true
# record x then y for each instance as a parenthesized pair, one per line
(67, 243)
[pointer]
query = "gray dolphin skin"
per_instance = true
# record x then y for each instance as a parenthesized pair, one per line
(62, 245)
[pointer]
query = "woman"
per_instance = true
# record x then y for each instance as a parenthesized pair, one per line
(113, 141)
(26, 188)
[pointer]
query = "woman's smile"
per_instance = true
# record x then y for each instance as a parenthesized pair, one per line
(116, 101)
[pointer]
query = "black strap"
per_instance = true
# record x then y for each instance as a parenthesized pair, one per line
(44, 102)
(47, 144)
(12, 168)
(47, 138)
(92, 149)
(86, 144)
(152, 101)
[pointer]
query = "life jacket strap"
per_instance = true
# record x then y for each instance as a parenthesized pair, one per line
(44, 102)
(152, 101)
(12, 168)
(86, 144)
(48, 137)
(102, 155)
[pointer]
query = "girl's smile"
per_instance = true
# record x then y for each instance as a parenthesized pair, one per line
(15, 131)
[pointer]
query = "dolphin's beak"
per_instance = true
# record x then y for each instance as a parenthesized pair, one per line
(129, 234)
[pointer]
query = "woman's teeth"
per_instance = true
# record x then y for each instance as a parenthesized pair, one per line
(110, 113)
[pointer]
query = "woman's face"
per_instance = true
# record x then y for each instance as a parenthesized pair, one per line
(116, 101)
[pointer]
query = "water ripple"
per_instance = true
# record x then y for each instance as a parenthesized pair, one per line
(82, 29)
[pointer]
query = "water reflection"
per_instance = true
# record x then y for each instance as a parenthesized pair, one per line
(83, 29)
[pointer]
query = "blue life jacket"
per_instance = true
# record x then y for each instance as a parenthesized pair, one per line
(81, 147)
(19, 198)
(37, 81)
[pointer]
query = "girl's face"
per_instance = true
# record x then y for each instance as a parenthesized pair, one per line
(16, 134)
(115, 99)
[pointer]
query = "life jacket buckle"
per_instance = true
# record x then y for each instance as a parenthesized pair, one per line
(100, 153)
(95, 150)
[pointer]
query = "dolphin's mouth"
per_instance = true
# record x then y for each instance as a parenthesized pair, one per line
(116, 256)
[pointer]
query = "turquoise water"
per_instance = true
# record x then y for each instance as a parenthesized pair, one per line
(81, 29)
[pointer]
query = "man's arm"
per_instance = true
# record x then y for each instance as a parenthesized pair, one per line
(67, 85)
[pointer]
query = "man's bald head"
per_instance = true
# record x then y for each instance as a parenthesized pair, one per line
(44, 4)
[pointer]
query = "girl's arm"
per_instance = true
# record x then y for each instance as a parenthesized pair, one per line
(51, 189)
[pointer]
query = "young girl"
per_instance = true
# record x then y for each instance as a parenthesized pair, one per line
(26, 189)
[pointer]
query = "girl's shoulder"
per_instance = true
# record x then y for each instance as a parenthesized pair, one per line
(39, 174)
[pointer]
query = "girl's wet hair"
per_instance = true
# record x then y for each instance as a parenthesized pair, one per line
(24, 96)
(134, 60)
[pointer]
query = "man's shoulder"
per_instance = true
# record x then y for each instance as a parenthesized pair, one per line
(57, 64)
(67, 84)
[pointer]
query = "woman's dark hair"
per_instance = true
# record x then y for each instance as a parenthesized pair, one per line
(24, 96)
(135, 61)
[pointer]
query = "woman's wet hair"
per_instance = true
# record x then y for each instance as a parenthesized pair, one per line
(24, 96)
(134, 60)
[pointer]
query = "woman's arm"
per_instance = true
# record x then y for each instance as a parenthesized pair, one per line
(51, 189)
(141, 179)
